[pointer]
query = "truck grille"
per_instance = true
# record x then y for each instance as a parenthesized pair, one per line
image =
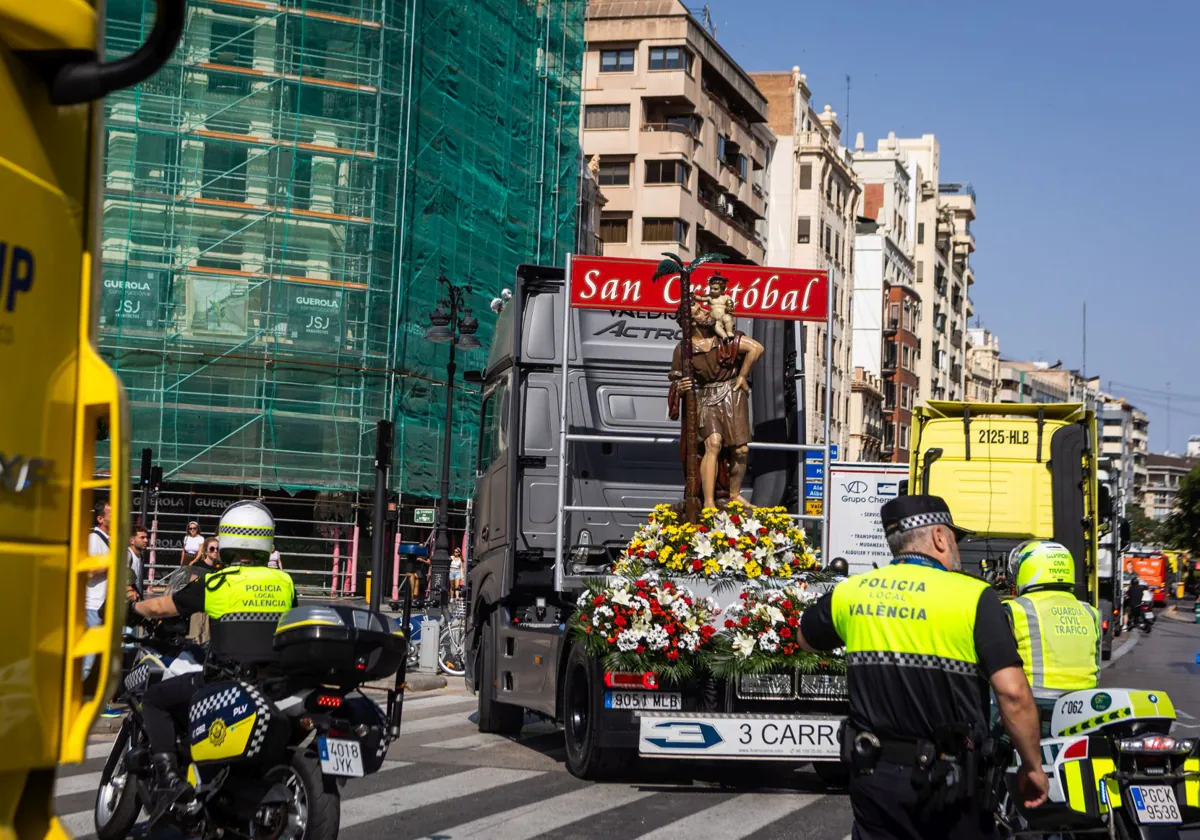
(792, 686)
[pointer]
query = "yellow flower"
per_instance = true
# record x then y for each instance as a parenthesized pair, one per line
(753, 570)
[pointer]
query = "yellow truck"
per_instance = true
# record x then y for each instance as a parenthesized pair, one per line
(1013, 472)
(63, 421)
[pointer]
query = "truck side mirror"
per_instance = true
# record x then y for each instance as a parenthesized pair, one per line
(1105, 502)
(1126, 533)
(904, 487)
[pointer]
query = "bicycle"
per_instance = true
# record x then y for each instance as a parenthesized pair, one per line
(451, 637)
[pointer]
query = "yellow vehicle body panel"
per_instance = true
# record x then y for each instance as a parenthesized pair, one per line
(57, 394)
(992, 465)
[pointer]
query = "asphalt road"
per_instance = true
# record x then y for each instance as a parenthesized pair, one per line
(445, 780)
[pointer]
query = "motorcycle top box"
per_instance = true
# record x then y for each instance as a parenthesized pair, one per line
(342, 645)
(232, 722)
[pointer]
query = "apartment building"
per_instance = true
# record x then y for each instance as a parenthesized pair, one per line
(886, 304)
(942, 246)
(1124, 435)
(1163, 475)
(983, 366)
(866, 417)
(814, 195)
(680, 132)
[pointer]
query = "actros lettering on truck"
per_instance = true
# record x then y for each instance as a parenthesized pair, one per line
(623, 329)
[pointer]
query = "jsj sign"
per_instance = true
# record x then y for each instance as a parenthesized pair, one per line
(790, 294)
(314, 314)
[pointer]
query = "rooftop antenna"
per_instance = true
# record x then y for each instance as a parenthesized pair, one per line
(1168, 416)
(708, 22)
(847, 132)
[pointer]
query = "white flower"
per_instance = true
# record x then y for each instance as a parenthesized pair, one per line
(703, 547)
(640, 603)
(689, 641)
(743, 643)
(681, 609)
(752, 525)
(628, 640)
(657, 638)
(775, 614)
(732, 531)
(622, 597)
(769, 641)
(760, 553)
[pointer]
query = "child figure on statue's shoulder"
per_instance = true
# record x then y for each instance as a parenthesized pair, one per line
(720, 305)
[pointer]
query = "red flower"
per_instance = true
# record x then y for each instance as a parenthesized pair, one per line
(762, 531)
(824, 663)
(746, 554)
(744, 596)
(687, 601)
(683, 548)
(598, 600)
(620, 621)
(735, 519)
(729, 624)
(731, 543)
(745, 620)
(707, 630)
(787, 605)
(612, 640)
(789, 649)
(639, 583)
(653, 555)
(785, 633)
(672, 655)
(793, 621)
(641, 648)
(703, 529)
(671, 629)
(588, 628)
(697, 565)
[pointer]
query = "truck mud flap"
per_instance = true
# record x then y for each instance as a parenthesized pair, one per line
(739, 736)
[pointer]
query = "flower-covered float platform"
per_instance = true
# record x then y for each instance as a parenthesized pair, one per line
(723, 597)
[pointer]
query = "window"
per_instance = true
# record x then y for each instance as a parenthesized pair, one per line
(837, 246)
(894, 316)
(224, 172)
(664, 230)
(491, 427)
(806, 176)
(921, 233)
(614, 229)
(906, 397)
(606, 116)
(803, 225)
(670, 58)
(613, 173)
(828, 240)
(740, 164)
(667, 172)
(903, 436)
(616, 61)
(722, 141)
(920, 271)
(232, 45)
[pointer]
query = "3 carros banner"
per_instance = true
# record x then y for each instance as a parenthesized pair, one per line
(791, 294)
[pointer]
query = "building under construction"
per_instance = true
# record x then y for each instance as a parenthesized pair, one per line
(279, 201)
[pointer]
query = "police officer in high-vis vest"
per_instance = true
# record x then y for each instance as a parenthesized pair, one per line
(1058, 636)
(923, 643)
(243, 601)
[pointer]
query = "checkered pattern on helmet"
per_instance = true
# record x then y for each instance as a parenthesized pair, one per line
(912, 660)
(213, 702)
(920, 520)
(245, 531)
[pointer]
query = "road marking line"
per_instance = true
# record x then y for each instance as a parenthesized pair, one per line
(432, 723)
(546, 816)
(397, 800)
(481, 740)
(95, 751)
(1123, 649)
(423, 703)
(69, 785)
(1184, 714)
(734, 818)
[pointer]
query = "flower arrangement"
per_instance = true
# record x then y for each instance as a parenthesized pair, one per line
(760, 635)
(735, 543)
(645, 624)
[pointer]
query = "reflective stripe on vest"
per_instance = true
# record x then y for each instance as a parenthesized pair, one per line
(1058, 638)
(246, 591)
(909, 615)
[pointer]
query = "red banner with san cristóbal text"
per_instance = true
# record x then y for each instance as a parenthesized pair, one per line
(791, 294)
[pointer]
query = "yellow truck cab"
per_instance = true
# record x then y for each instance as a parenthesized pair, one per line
(62, 424)
(1013, 472)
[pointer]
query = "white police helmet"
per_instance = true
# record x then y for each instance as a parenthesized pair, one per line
(247, 528)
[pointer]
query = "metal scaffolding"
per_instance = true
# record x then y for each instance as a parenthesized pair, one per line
(279, 201)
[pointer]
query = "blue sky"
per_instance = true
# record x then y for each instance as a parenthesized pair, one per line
(1077, 123)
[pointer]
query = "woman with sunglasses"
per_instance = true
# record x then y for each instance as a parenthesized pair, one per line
(193, 541)
(205, 562)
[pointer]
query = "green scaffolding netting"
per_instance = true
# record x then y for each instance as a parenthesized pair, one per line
(279, 201)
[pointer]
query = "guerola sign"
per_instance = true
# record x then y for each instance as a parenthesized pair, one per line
(791, 294)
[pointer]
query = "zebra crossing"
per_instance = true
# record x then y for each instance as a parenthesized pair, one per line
(445, 780)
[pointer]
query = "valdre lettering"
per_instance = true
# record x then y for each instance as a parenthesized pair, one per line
(16, 273)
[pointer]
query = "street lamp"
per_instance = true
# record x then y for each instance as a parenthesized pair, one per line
(451, 322)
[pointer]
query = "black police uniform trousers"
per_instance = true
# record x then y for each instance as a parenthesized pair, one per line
(165, 708)
(887, 806)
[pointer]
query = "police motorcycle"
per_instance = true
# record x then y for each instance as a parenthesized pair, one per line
(267, 757)
(1115, 770)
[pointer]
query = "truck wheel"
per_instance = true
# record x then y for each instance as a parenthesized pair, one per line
(832, 773)
(582, 692)
(494, 716)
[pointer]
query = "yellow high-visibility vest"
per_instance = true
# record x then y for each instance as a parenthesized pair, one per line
(1058, 637)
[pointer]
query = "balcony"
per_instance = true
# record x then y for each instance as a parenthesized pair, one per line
(890, 326)
(964, 240)
(662, 138)
(889, 364)
(956, 339)
(956, 373)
